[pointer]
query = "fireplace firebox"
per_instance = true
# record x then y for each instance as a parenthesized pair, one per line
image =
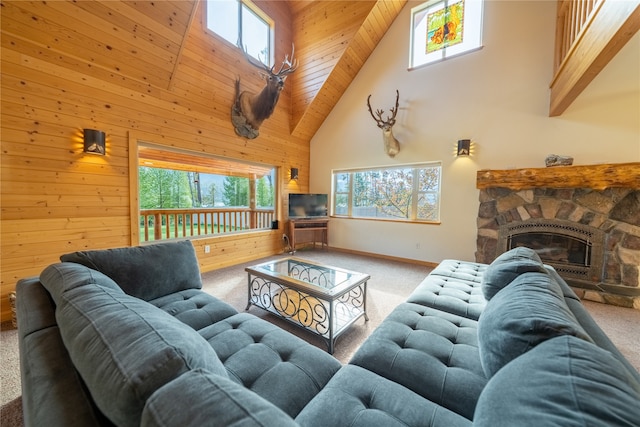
(574, 250)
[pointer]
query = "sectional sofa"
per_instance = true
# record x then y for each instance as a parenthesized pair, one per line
(127, 337)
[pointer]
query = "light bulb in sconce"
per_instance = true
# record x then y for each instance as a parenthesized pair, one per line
(464, 148)
(94, 141)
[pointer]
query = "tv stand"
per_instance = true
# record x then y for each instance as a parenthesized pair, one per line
(308, 230)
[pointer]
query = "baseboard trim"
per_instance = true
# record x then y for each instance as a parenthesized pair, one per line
(386, 257)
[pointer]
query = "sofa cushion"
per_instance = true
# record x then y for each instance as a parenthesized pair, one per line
(564, 381)
(528, 311)
(465, 270)
(194, 307)
(509, 265)
(430, 352)
(124, 348)
(208, 399)
(146, 272)
(450, 294)
(356, 397)
(280, 367)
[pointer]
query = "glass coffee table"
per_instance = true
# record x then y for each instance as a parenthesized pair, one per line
(319, 298)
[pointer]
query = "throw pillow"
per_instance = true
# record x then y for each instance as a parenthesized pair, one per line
(146, 272)
(563, 382)
(208, 399)
(504, 269)
(124, 348)
(527, 312)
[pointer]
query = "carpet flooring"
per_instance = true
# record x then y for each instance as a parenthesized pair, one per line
(390, 284)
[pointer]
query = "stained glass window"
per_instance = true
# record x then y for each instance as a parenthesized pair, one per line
(444, 28)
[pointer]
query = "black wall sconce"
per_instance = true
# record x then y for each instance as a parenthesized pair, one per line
(94, 141)
(294, 173)
(464, 147)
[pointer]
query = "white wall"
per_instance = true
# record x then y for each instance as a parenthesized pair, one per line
(498, 97)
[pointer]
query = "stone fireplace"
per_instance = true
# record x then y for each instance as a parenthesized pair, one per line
(582, 220)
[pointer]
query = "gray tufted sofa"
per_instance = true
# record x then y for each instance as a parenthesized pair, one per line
(126, 337)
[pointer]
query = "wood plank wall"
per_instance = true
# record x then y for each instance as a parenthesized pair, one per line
(138, 71)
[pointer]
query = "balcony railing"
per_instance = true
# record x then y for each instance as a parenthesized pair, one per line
(158, 224)
(573, 19)
(589, 33)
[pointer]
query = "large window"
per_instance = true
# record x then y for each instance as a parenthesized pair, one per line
(403, 193)
(444, 28)
(182, 194)
(241, 23)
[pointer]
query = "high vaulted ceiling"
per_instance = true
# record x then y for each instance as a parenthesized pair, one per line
(139, 44)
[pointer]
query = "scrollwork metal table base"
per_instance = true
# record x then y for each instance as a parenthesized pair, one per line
(321, 299)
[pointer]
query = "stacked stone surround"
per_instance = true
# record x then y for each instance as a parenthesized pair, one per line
(615, 211)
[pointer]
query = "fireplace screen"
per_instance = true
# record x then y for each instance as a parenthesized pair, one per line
(574, 250)
(555, 248)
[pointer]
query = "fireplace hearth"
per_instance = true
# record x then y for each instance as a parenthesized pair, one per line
(588, 230)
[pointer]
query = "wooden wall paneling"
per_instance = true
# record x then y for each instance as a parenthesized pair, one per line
(55, 198)
(29, 51)
(133, 18)
(115, 56)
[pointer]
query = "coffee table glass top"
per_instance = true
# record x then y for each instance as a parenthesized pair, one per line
(328, 278)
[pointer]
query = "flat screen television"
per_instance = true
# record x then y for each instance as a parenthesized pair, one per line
(308, 205)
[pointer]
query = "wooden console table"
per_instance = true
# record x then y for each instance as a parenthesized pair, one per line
(308, 230)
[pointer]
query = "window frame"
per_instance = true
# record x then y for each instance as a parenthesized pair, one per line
(135, 161)
(415, 167)
(472, 31)
(250, 7)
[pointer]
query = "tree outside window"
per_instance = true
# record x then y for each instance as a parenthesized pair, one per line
(404, 193)
(185, 194)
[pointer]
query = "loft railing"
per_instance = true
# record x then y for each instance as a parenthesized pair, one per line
(572, 20)
(589, 33)
(158, 224)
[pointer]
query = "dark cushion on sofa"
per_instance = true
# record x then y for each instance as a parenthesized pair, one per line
(509, 265)
(356, 397)
(430, 352)
(563, 382)
(200, 398)
(146, 272)
(194, 307)
(450, 294)
(280, 367)
(528, 311)
(124, 348)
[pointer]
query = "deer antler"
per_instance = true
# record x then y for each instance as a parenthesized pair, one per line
(255, 62)
(389, 122)
(291, 64)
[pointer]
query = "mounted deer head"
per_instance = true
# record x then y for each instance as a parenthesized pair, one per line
(391, 144)
(250, 109)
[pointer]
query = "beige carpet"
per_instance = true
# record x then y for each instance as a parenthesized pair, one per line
(390, 284)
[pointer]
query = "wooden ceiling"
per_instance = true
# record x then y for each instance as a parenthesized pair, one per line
(139, 44)
(150, 156)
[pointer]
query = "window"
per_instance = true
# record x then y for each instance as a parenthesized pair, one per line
(444, 28)
(241, 23)
(182, 194)
(403, 193)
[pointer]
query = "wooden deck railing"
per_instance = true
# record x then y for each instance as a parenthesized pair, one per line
(158, 224)
(589, 33)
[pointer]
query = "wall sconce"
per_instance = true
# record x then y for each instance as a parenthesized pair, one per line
(464, 147)
(294, 173)
(94, 141)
